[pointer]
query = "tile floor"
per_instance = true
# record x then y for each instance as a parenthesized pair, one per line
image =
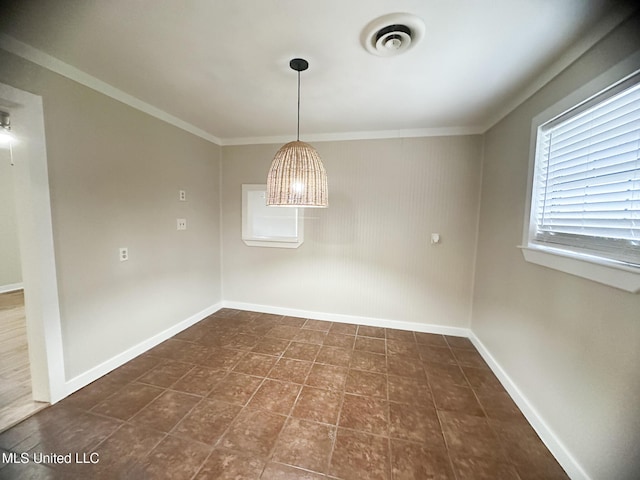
(243, 395)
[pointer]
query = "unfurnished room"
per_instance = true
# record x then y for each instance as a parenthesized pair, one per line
(320, 239)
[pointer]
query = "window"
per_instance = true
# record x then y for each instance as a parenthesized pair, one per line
(262, 226)
(585, 201)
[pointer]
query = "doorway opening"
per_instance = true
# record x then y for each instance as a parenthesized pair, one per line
(16, 395)
(29, 308)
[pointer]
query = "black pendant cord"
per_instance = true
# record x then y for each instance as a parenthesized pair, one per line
(299, 65)
(298, 131)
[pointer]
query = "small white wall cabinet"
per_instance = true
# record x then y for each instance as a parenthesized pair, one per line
(262, 226)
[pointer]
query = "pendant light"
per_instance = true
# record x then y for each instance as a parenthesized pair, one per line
(6, 137)
(297, 177)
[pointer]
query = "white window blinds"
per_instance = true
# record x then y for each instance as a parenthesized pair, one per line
(587, 186)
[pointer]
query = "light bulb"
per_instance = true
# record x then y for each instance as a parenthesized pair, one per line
(5, 137)
(297, 187)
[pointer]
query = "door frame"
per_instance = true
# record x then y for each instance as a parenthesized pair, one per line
(35, 233)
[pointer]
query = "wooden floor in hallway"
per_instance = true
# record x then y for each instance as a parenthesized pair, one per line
(16, 402)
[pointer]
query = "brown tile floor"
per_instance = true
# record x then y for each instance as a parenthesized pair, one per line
(243, 395)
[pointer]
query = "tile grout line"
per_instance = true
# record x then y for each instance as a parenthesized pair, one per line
(503, 455)
(442, 432)
(388, 409)
(342, 396)
(289, 415)
(269, 456)
(242, 409)
(212, 447)
(443, 377)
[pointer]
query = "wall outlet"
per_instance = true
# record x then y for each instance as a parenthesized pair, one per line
(182, 196)
(435, 238)
(124, 254)
(182, 223)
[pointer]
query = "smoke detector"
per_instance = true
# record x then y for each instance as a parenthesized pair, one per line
(392, 34)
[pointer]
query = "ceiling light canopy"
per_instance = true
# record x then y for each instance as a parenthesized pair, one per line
(6, 137)
(297, 177)
(392, 34)
(5, 128)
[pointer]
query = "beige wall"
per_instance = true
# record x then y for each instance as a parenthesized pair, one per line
(10, 270)
(369, 253)
(570, 345)
(114, 176)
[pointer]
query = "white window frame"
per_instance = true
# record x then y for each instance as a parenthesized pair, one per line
(609, 272)
(256, 216)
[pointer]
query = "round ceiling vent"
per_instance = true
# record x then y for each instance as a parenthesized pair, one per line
(392, 34)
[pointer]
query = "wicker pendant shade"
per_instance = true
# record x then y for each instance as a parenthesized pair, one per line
(297, 177)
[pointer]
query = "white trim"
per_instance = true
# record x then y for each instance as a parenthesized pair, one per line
(358, 320)
(35, 234)
(120, 359)
(282, 243)
(45, 60)
(12, 287)
(570, 262)
(549, 438)
(367, 135)
(595, 269)
(53, 64)
(596, 33)
(252, 212)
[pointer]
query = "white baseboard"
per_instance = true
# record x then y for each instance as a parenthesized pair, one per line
(12, 287)
(107, 366)
(335, 317)
(553, 443)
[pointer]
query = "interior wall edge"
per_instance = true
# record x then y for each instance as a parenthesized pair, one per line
(221, 222)
(606, 25)
(476, 242)
(558, 449)
(121, 358)
(358, 320)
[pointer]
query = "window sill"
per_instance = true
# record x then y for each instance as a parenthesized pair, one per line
(254, 242)
(624, 278)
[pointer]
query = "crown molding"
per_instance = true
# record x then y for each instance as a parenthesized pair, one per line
(45, 60)
(600, 30)
(615, 17)
(53, 64)
(366, 135)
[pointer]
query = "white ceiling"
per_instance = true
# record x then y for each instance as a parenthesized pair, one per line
(222, 66)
